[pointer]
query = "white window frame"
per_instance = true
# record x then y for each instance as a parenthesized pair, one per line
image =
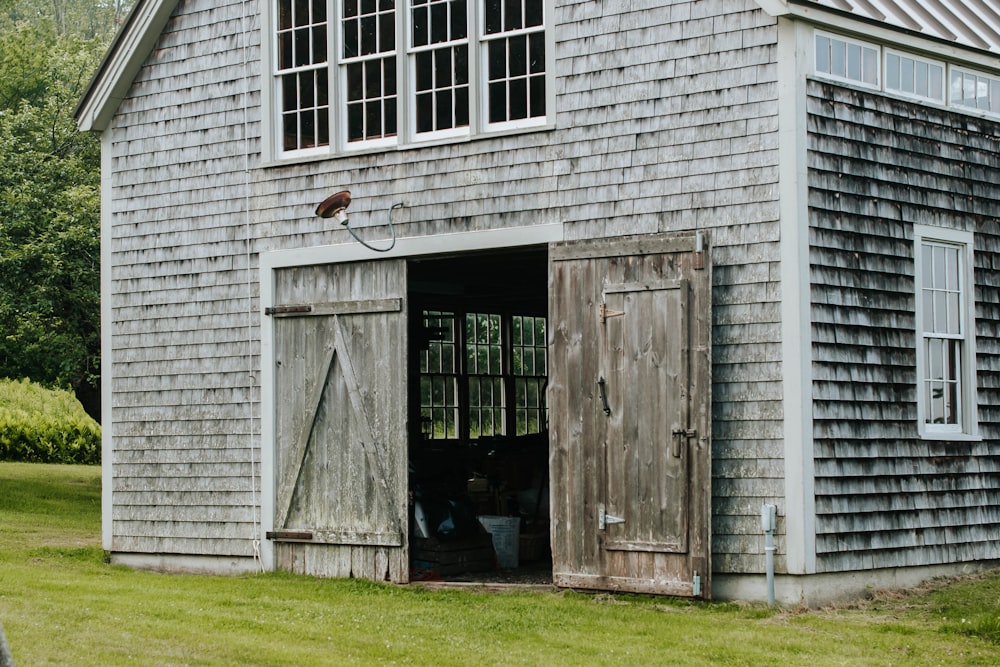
(978, 78)
(967, 427)
(849, 42)
(941, 93)
(406, 135)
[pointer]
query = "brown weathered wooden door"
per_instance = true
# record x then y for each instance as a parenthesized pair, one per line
(629, 411)
(340, 420)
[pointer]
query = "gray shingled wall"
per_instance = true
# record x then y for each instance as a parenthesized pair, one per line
(877, 165)
(665, 120)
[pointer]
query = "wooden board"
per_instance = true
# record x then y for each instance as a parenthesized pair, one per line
(340, 419)
(635, 314)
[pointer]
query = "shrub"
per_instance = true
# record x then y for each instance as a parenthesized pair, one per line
(42, 425)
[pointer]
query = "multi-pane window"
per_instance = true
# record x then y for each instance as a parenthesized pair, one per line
(905, 74)
(914, 76)
(439, 377)
(368, 66)
(974, 89)
(514, 44)
(946, 355)
(439, 57)
(530, 370)
(482, 375)
(484, 366)
(355, 74)
(847, 59)
(303, 79)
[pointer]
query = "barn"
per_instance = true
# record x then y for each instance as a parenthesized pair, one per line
(688, 297)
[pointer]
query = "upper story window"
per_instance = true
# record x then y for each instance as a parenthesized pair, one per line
(861, 63)
(914, 76)
(847, 59)
(361, 74)
(974, 89)
(946, 334)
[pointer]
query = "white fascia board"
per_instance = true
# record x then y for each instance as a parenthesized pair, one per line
(126, 55)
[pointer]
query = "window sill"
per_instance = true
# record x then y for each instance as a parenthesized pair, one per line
(950, 437)
(418, 145)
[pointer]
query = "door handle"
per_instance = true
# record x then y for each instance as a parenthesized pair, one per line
(602, 387)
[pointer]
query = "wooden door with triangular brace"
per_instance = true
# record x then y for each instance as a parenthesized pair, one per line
(340, 420)
(629, 412)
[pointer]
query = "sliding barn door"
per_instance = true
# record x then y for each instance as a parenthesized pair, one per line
(340, 417)
(629, 405)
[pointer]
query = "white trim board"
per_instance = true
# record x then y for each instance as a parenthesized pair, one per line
(794, 60)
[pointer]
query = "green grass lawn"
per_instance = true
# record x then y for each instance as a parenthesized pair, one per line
(62, 604)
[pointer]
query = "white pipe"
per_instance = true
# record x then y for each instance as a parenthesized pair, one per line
(768, 517)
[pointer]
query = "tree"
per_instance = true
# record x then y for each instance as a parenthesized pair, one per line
(49, 214)
(87, 19)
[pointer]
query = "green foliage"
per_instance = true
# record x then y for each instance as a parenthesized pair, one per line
(45, 426)
(81, 18)
(49, 212)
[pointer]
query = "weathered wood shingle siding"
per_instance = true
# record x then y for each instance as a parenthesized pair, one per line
(878, 165)
(181, 302)
(665, 120)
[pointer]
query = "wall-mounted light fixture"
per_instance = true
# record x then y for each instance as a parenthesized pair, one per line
(335, 206)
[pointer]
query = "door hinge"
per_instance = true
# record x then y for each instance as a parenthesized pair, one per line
(606, 312)
(604, 519)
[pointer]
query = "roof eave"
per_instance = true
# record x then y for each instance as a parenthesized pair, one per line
(121, 63)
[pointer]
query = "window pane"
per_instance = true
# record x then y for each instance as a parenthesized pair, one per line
(493, 17)
(459, 19)
(498, 102)
(284, 14)
(355, 81)
(439, 22)
(419, 28)
(822, 54)
(906, 75)
(518, 99)
(892, 71)
(533, 13)
(920, 78)
(838, 58)
(936, 82)
(512, 15)
(854, 62)
(537, 93)
(517, 64)
(497, 59)
(870, 66)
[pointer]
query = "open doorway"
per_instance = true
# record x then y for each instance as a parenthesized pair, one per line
(478, 419)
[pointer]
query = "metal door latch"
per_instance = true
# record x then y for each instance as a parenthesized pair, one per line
(604, 519)
(681, 436)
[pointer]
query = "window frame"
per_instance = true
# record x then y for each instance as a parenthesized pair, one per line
(992, 80)
(849, 41)
(506, 375)
(888, 53)
(406, 135)
(967, 428)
